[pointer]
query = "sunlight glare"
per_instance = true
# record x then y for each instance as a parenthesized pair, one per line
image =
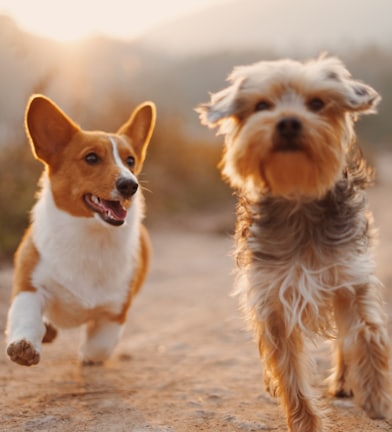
(75, 19)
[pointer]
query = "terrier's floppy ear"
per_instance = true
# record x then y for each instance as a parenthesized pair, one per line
(360, 98)
(48, 128)
(139, 128)
(222, 105)
(357, 96)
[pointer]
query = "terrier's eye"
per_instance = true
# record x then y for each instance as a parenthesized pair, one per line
(92, 158)
(316, 104)
(130, 161)
(263, 106)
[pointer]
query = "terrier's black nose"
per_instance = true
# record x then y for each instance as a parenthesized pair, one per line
(127, 187)
(289, 127)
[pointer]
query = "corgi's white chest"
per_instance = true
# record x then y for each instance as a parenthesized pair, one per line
(85, 266)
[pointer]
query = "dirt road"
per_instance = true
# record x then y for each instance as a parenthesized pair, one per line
(186, 362)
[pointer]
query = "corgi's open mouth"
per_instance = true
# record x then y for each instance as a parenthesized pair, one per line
(109, 211)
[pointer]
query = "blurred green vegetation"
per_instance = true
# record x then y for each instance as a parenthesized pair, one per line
(19, 175)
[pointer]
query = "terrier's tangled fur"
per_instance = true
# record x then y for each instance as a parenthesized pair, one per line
(304, 232)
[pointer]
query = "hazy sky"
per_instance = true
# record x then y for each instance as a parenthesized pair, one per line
(284, 25)
(72, 19)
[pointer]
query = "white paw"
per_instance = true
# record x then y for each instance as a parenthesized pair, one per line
(101, 339)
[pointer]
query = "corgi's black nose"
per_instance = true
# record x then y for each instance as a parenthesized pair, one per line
(127, 187)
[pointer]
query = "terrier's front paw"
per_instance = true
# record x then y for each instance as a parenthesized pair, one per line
(338, 387)
(378, 406)
(340, 390)
(23, 353)
(270, 385)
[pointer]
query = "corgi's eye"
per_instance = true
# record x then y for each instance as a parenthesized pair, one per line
(130, 161)
(316, 104)
(92, 158)
(263, 106)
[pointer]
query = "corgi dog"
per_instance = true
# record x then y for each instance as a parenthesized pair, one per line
(86, 252)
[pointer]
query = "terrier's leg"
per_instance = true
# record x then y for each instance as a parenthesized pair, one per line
(101, 338)
(366, 349)
(288, 368)
(25, 328)
(338, 384)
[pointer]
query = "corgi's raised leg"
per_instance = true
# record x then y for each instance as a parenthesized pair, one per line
(25, 328)
(50, 332)
(101, 338)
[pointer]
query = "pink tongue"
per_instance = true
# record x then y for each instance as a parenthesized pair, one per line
(114, 209)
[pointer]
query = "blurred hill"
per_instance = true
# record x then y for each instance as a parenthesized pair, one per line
(179, 62)
(286, 26)
(98, 81)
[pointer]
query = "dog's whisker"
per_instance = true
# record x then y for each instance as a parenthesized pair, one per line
(145, 189)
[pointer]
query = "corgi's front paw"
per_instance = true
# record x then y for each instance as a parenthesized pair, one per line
(23, 353)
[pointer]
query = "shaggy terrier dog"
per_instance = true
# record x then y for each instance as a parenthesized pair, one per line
(304, 232)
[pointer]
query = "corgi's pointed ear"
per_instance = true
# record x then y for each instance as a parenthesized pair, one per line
(139, 128)
(48, 128)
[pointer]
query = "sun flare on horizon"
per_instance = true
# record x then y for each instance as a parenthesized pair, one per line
(72, 20)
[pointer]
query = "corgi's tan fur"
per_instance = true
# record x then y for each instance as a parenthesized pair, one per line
(86, 253)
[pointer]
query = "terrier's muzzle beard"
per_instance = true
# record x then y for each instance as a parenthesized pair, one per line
(302, 163)
(286, 156)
